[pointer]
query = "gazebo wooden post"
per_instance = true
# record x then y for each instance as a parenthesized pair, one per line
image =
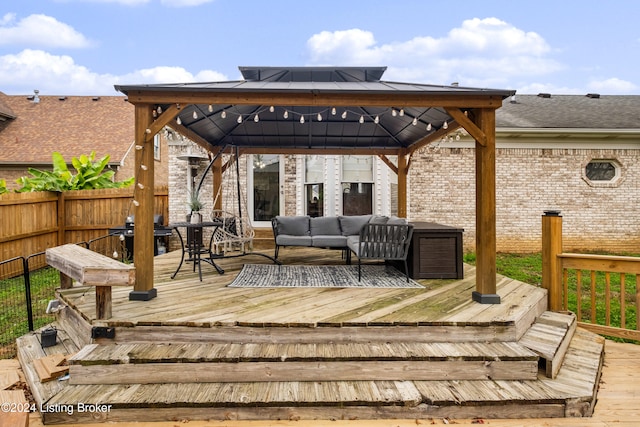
(485, 292)
(403, 169)
(143, 195)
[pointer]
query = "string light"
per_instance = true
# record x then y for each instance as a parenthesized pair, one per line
(414, 121)
(344, 114)
(223, 114)
(445, 125)
(429, 127)
(144, 167)
(361, 119)
(272, 109)
(394, 113)
(210, 108)
(195, 114)
(159, 109)
(301, 119)
(136, 203)
(140, 186)
(139, 147)
(239, 119)
(178, 121)
(401, 112)
(256, 118)
(285, 114)
(333, 111)
(319, 117)
(376, 120)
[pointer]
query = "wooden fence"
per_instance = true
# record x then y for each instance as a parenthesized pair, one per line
(602, 290)
(33, 222)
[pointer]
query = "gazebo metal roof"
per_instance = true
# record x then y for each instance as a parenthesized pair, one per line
(335, 127)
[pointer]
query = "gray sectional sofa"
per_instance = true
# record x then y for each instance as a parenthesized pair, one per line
(367, 236)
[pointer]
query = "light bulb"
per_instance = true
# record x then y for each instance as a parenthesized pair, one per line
(195, 115)
(239, 119)
(429, 126)
(285, 114)
(376, 120)
(115, 254)
(319, 117)
(121, 237)
(256, 118)
(141, 186)
(415, 121)
(223, 114)
(147, 131)
(136, 203)
(445, 125)
(394, 112)
(139, 147)
(401, 112)
(272, 109)
(178, 121)
(159, 109)
(344, 114)
(333, 111)
(457, 137)
(144, 167)
(210, 108)
(154, 114)
(361, 119)
(301, 119)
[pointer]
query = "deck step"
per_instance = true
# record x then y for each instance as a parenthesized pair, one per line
(571, 393)
(549, 337)
(268, 362)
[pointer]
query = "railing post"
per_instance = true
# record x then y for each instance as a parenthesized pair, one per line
(551, 265)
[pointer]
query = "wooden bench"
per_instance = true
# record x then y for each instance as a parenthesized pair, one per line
(91, 269)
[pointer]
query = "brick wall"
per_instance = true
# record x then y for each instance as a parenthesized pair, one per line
(529, 181)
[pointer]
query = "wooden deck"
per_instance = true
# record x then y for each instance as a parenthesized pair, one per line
(201, 350)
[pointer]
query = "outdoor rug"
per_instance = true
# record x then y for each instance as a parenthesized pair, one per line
(320, 276)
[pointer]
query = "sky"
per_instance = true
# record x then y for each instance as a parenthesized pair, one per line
(85, 47)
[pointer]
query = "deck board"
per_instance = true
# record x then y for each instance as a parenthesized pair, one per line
(187, 301)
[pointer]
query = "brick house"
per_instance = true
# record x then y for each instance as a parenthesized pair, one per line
(33, 127)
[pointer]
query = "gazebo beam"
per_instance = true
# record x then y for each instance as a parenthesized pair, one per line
(314, 98)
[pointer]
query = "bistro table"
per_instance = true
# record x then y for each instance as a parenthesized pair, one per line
(194, 247)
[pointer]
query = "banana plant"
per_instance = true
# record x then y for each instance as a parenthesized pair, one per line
(90, 174)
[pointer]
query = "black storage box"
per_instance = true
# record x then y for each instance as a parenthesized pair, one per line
(48, 337)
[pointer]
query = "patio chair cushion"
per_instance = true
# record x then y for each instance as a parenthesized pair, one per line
(397, 220)
(351, 225)
(291, 240)
(325, 226)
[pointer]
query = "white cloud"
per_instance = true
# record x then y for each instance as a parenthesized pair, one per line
(612, 86)
(481, 52)
(60, 75)
(51, 74)
(165, 74)
(39, 31)
(184, 3)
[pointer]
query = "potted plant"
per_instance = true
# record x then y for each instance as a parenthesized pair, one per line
(195, 204)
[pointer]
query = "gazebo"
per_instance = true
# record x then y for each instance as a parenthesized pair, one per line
(317, 110)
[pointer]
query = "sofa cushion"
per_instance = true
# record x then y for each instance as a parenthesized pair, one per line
(379, 219)
(325, 226)
(293, 225)
(351, 225)
(289, 240)
(394, 220)
(327, 241)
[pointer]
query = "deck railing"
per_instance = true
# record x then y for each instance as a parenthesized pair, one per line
(602, 290)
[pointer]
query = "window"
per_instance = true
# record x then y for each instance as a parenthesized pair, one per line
(602, 173)
(156, 147)
(314, 188)
(357, 185)
(600, 170)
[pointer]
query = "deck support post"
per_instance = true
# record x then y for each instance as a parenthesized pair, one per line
(551, 264)
(485, 292)
(143, 196)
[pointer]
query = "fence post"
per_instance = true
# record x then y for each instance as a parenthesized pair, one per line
(551, 265)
